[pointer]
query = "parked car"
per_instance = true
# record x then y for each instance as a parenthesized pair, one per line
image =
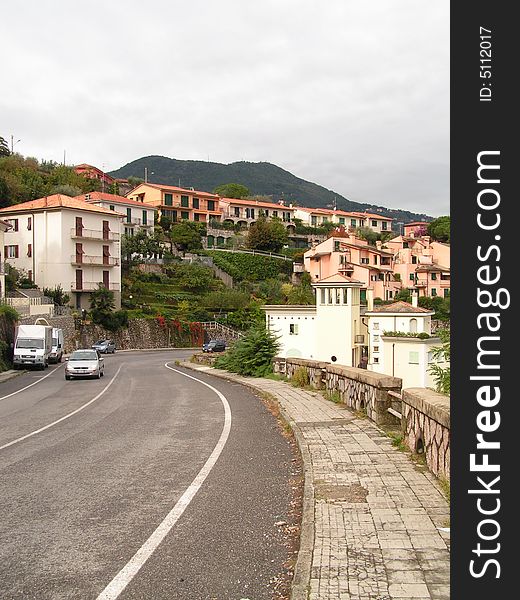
(214, 346)
(84, 363)
(104, 346)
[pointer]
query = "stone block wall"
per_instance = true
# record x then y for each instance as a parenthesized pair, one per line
(426, 427)
(359, 389)
(70, 334)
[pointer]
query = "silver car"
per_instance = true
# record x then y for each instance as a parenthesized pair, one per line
(84, 363)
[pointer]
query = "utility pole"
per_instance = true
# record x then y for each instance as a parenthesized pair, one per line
(13, 143)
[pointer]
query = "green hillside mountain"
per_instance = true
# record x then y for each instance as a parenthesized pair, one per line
(261, 178)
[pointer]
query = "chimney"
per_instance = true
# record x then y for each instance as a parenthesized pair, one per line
(414, 299)
(379, 243)
(370, 299)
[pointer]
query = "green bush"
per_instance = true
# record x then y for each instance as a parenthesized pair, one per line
(300, 377)
(113, 321)
(252, 354)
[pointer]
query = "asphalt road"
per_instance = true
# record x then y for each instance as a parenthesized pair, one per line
(89, 470)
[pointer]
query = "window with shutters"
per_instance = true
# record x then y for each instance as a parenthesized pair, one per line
(79, 226)
(29, 250)
(106, 279)
(106, 230)
(29, 223)
(79, 253)
(196, 203)
(185, 203)
(106, 255)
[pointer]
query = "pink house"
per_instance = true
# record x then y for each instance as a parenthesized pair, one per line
(415, 229)
(421, 264)
(354, 258)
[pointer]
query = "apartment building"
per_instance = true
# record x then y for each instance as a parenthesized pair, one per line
(4, 226)
(91, 172)
(136, 215)
(245, 212)
(318, 217)
(355, 258)
(58, 240)
(178, 203)
(422, 264)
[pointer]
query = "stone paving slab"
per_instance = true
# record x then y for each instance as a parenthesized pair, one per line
(371, 515)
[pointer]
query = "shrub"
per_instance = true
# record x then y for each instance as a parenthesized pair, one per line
(300, 377)
(253, 267)
(252, 354)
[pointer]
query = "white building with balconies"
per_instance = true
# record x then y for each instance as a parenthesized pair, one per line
(137, 216)
(63, 241)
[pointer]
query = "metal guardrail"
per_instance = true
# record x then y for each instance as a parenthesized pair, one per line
(222, 328)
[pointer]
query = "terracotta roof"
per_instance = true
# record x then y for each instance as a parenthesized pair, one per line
(399, 307)
(413, 223)
(174, 188)
(56, 201)
(343, 213)
(428, 268)
(336, 278)
(114, 198)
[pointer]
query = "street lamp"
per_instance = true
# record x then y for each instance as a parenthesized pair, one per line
(13, 143)
(146, 174)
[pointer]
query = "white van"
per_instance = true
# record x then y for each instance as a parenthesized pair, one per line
(56, 354)
(32, 346)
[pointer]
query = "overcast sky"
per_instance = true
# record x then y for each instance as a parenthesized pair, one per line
(352, 95)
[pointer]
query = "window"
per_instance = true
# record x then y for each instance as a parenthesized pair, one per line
(11, 251)
(29, 223)
(128, 215)
(376, 360)
(211, 204)
(323, 296)
(293, 329)
(196, 217)
(345, 296)
(365, 261)
(412, 277)
(406, 245)
(29, 250)
(413, 325)
(376, 338)
(376, 348)
(375, 326)
(106, 255)
(325, 220)
(106, 279)
(314, 220)
(338, 295)
(336, 246)
(275, 213)
(168, 199)
(145, 217)
(112, 207)
(375, 259)
(342, 220)
(196, 203)
(353, 222)
(185, 215)
(13, 223)
(106, 230)
(30, 275)
(384, 225)
(434, 276)
(329, 296)
(185, 202)
(250, 213)
(414, 260)
(434, 291)
(446, 293)
(374, 223)
(413, 358)
(237, 211)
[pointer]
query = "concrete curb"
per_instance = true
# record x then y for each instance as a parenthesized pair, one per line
(302, 570)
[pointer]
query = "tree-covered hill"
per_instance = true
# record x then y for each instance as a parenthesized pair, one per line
(263, 179)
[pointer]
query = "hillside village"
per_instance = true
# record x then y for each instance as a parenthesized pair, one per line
(322, 267)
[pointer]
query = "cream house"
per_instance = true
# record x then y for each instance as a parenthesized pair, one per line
(4, 226)
(58, 240)
(330, 331)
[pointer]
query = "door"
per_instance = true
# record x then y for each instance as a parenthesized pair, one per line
(79, 279)
(106, 230)
(106, 255)
(79, 226)
(106, 279)
(79, 253)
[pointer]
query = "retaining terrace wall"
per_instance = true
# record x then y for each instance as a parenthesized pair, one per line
(426, 427)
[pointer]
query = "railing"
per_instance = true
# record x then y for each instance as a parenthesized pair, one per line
(134, 221)
(92, 286)
(216, 326)
(259, 252)
(94, 234)
(86, 259)
(391, 410)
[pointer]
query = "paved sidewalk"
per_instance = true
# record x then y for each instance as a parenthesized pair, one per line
(371, 515)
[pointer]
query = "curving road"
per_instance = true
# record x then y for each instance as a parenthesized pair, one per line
(144, 484)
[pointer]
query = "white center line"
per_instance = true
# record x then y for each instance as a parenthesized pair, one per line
(132, 567)
(30, 385)
(74, 412)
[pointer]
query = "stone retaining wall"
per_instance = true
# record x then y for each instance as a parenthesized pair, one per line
(426, 427)
(70, 334)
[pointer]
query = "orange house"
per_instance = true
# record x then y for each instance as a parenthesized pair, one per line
(178, 203)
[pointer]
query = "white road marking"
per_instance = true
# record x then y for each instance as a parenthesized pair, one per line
(71, 414)
(132, 567)
(30, 385)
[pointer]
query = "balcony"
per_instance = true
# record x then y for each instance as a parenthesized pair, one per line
(92, 286)
(100, 261)
(94, 234)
